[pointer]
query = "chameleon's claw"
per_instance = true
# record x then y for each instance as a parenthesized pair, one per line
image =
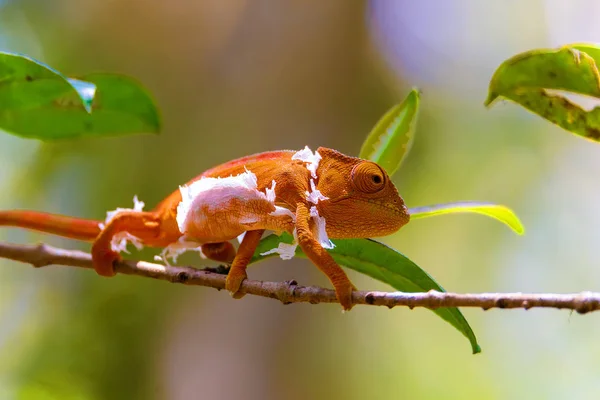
(234, 282)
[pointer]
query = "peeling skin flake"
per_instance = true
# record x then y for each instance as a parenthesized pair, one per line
(286, 251)
(314, 196)
(312, 159)
(321, 231)
(279, 211)
(137, 206)
(120, 240)
(270, 192)
(176, 249)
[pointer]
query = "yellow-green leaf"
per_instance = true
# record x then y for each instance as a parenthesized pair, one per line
(496, 211)
(391, 138)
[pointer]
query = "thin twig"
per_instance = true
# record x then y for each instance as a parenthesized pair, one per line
(290, 292)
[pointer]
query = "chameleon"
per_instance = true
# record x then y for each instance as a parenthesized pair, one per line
(314, 196)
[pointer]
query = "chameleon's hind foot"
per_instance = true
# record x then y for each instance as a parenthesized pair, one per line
(222, 252)
(237, 273)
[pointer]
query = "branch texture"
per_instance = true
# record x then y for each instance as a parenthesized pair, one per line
(290, 292)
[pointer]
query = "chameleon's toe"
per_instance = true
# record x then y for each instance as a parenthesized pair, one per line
(234, 282)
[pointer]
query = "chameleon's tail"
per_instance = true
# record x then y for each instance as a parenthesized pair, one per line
(70, 227)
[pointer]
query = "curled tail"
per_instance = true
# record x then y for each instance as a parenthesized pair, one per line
(61, 225)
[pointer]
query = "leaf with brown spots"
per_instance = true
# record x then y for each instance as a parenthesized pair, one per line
(531, 79)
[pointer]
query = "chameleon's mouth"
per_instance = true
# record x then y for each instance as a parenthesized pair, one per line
(397, 212)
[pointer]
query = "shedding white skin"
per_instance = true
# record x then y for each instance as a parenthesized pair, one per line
(312, 160)
(120, 241)
(314, 196)
(204, 198)
(174, 250)
(286, 250)
(215, 193)
(211, 191)
(321, 231)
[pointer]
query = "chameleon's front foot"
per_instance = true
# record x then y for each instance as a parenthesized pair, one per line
(103, 261)
(234, 280)
(343, 291)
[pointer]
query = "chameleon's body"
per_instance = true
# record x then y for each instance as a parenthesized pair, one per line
(314, 196)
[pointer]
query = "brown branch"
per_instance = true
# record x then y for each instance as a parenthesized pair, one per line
(290, 292)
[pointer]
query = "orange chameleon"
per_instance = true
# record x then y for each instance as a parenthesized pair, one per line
(313, 196)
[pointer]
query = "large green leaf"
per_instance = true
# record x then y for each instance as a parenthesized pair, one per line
(39, 102)
(533, 78)
(384, 264)
(391, 138)
(496, 211)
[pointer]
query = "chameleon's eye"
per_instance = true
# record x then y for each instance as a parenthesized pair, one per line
(368, 177)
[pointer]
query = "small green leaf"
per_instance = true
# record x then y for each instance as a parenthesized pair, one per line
(121, 106)
(38, 102)
(496, 211)
(391, 138)
(530, 78)
(384, 264)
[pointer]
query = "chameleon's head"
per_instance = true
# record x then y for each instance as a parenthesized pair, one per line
(362, 200)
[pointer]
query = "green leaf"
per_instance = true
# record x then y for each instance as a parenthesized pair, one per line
(533, 78)
(392, 137)
(496, 211)
(38, 102)
(384, 264)
(121, 106)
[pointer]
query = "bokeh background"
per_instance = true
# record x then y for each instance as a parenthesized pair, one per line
(238, 77)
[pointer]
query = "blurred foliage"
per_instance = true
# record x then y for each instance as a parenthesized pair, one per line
(241, 77)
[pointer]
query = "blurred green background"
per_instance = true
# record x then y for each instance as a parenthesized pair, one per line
(238, 77)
